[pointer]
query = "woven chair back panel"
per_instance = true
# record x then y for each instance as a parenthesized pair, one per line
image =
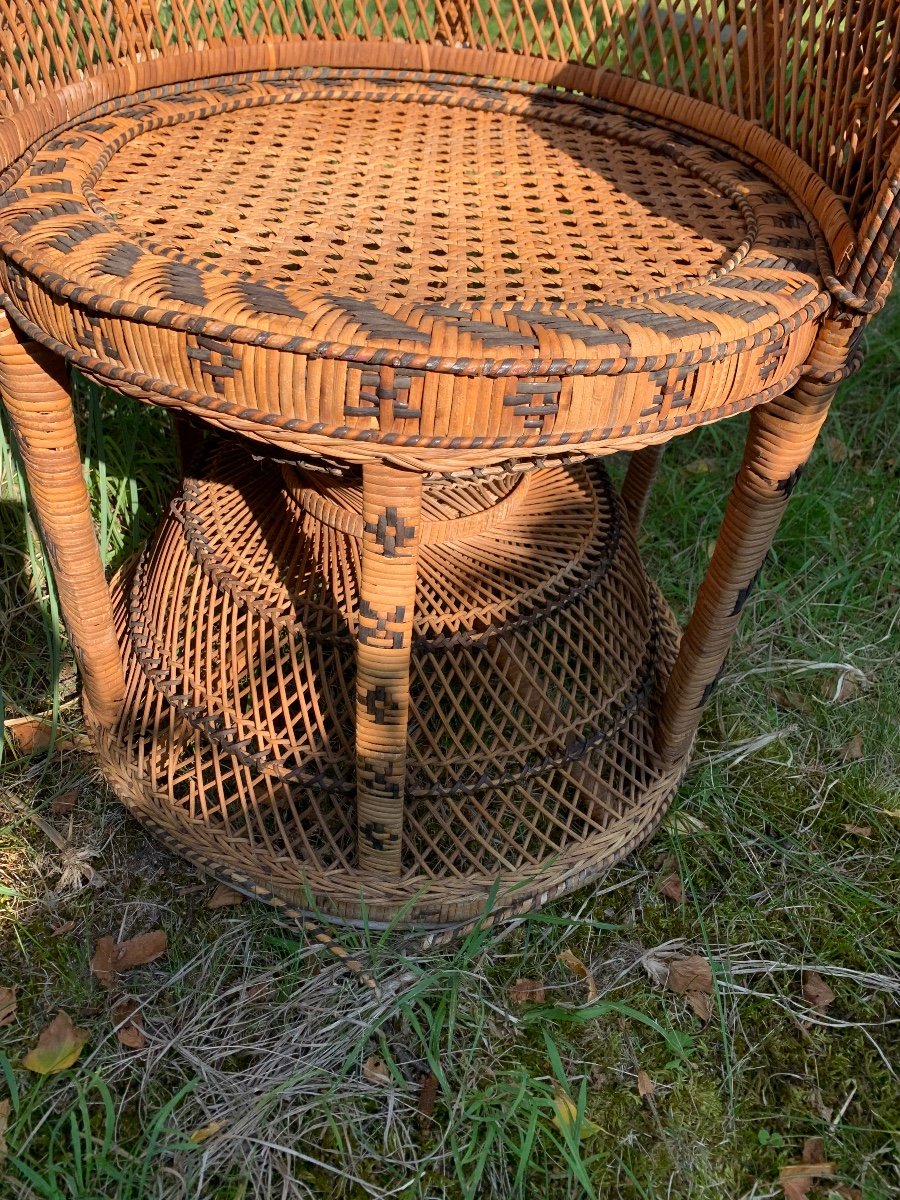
(823, 78)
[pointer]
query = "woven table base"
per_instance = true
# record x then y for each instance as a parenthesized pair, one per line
(539, 652)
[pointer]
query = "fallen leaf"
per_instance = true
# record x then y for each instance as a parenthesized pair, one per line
(375, 1071)
(853, 750)
(111, 957)
(838, 689)
(4, 1121)
(813, 1151)
(58, 1047)
(7, 1005)
(848, 1193)
(129, 1019)
(690, 977)
(700, 1003)
(790, 701)
(683, 824)
(797, 1179)
(669, 884)
(31, 735)
(428, 1094)
(103, 961)
(701, 466)
(64, 802)
(571, 960)
(208, 1131)
(223, 897)
(691, 974)
(816, 991)
(836, 448)
(60, 930)
(527, 991)
(565, 1115)
(645, 1085)
(863, 831)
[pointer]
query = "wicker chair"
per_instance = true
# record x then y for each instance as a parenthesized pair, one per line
(405, 273)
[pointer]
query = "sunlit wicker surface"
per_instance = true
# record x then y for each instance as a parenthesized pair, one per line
(430, 262)
(427, 261)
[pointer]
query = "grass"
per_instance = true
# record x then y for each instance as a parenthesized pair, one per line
(269, 1072)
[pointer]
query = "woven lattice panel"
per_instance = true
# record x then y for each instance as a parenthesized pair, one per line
(822, 77)
(539, 649)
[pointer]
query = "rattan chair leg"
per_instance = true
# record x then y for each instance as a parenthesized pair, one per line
(643, 468)
(35, 392)
(779, 442)
(392, 502)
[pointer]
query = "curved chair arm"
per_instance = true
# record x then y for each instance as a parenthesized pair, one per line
(868, 276)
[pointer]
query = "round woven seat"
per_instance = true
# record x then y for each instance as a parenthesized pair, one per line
(434, 261)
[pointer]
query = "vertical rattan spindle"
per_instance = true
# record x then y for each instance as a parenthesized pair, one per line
(392, 504)
(780, 440)
(643, 467)
(34, 390)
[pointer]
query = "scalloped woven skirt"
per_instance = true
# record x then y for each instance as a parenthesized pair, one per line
(540, 649)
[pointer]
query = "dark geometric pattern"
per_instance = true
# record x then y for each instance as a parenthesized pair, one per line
(392, 532)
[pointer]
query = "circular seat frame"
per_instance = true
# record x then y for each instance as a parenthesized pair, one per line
(405, 665)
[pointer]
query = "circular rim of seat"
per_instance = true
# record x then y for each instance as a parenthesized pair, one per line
(284, 333)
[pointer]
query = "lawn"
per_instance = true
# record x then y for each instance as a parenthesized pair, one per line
(263, 1069)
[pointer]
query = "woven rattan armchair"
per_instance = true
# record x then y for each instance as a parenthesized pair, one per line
(413, 270)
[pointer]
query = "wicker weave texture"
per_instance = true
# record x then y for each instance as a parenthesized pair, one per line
(816, 75)
(430, 261)
(504, 742)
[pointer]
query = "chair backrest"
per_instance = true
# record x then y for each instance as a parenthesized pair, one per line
(823, 76)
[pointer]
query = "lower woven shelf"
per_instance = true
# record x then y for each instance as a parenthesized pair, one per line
(540, 653)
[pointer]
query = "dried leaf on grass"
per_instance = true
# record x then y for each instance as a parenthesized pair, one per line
(129, 1019)
(684, 824)
(527, 991)
(645, 1085)
(565, 1115)
(65, 802)
(31, 735)
(690, 976)
(374, 1070)
(224, 897)
(790, 701)
(853, 750)
(428, 1094)
(701, 466)
(840, 688)
(863, 831)
(58, 1047)
(816, 991)
(7, 1006)
(111, 958)
(571, 960)
(202, 1135)
(669, 884)
(63, 929)
(797, 1179)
